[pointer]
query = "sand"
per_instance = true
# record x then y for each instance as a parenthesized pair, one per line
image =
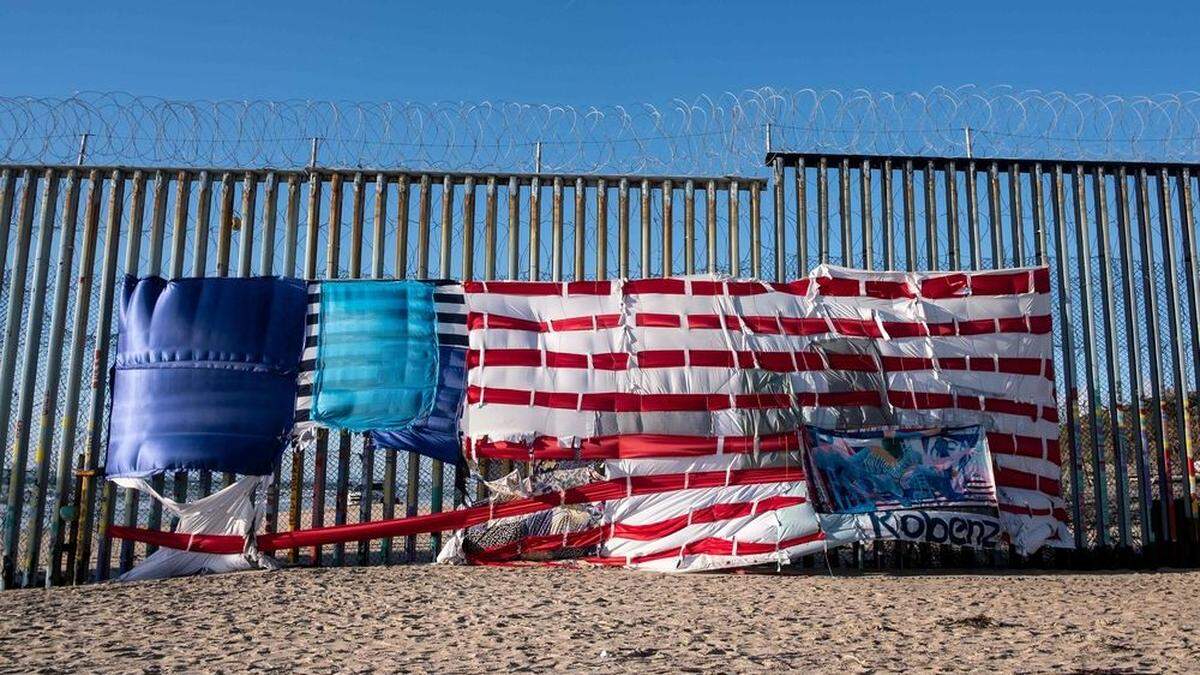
(454, 619)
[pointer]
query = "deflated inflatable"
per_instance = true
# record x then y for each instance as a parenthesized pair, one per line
(205, 374)
(436, 434)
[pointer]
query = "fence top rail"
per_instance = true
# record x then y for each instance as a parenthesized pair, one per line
(456, 177)
(1023, 164)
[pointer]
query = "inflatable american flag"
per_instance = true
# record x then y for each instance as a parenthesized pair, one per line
(691, 395)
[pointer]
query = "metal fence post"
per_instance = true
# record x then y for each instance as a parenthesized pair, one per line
(54, 360)
(1068, 353)
(86, 497)
(62, 515)
(18, 456)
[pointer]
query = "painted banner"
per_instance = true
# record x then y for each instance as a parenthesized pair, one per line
(933, 485)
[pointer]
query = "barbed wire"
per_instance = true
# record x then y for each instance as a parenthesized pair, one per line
(705, 135)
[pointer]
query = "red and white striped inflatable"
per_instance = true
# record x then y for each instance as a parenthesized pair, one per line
(693, 392)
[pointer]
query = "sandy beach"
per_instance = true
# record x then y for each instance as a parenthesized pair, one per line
(454, 619)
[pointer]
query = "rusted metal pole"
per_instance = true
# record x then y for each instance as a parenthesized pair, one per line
(1065, 288)
(199, 264)
(16, 297)
(668, 224)
(489, 227)
(1015, 217)
(290, 235)
(973, 217)
(950, 178)
(1153, 340)
(266, 257)
(1083, 251)
(125, 557)
(887, 215)
(158, 224)
(246, 233)
(378, 251)
(266, 265)
(556, 230)
(312, 247)
(780, 220)
(601, 230)
(357, 215)
(644, 244)
(1039, 215)
(1114, 435)
(468, 273)
(535, 228)
(910, 218)
(402, 227)
(513, 246)
(107, 489)
(756, 229)
(931, 221)
(86, 497)
(580, 227)
(868, 227)
(710, 225)
(735, 227)
(623, 229)
(689, 227)
(824, 226)
(994, 216)
(447, 229)
(54, 359)
(175, 269)
(18, 456)
(183, 193)
(412, 489)
(225, 225)
(203, 224)
(1132, 354)
(1175, 336)
(844, 211)
(341, 481)
(399, 271)
(62, 519)
(801, 218)
(1191, 286)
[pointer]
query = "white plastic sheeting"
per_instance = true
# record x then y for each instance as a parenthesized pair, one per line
(233, 511)
(679, 379)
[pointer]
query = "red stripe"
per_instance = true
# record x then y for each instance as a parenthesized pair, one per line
(534, 288)
(839, 287)
(1058, 514)
(771, 325)
(645, 532)
(915, 400)
(637, 446)
(711, 546)
(934, 287)
(889, 290)
(701, 287)
(1021, 446)
(479, 320)
(986, 283)
(455, 520)
(1015, 478)
(649, 320)
(777, 361)
(623, 402)
(797, 287)
(671, 286)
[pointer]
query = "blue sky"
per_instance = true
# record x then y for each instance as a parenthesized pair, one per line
(589, 52)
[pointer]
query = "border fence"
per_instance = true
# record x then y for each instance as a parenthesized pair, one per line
(1119, 236)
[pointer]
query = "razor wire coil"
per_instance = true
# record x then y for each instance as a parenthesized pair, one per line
(709, 135)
